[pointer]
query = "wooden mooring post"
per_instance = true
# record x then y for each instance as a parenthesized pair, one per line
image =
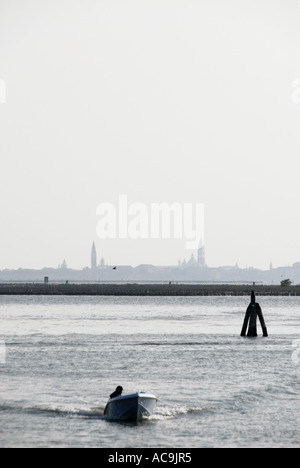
(252, 312)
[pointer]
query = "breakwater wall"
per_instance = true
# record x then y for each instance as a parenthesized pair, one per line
(129, 289)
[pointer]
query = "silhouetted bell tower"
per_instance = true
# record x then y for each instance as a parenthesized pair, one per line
(201, 254)
(93, 257)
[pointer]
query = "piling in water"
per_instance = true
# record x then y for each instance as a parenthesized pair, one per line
(253, 311)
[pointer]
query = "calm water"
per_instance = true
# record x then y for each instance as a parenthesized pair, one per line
(60, 358)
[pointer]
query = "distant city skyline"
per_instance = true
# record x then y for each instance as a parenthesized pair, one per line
(98, 256)
(193, 269)
(197, 258)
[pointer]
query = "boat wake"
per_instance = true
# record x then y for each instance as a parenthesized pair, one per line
(94, 412)
(161, 413)
(164, 412)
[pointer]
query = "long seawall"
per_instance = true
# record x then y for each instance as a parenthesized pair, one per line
(133, 289)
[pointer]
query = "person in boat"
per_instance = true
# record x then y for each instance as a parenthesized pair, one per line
(117, 392)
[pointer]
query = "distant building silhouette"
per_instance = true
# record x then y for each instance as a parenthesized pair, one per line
(201, 254)
(63, 266)
(93, 257)
(192, 262)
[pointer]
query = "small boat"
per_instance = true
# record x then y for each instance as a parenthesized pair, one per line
(133, 407)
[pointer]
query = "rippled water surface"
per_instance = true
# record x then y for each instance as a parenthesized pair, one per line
(60, 358)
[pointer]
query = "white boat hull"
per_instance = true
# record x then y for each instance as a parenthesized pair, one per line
(132, 407)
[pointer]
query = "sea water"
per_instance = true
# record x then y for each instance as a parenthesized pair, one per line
(61, 357)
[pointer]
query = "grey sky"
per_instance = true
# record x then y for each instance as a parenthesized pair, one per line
(165, 101)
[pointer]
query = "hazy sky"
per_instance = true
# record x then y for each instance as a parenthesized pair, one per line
(162, 100)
